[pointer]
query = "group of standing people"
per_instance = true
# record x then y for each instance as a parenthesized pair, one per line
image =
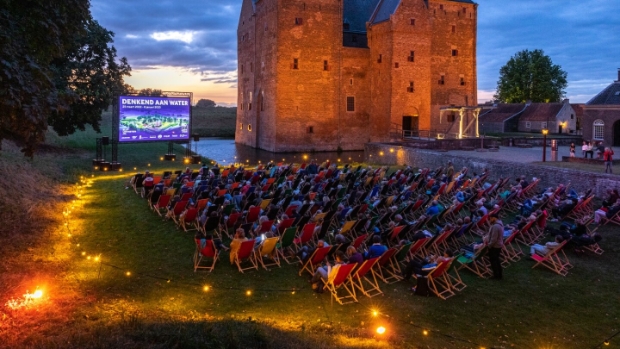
(602, 153)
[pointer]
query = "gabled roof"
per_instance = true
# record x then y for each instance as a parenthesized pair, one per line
(541, 112)
(357, 12)
(501, 112)
(609, 96)
(578, 108)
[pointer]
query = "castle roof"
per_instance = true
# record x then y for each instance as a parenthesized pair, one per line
(357, 12)
(609, 96)
(384, 10)
(502, 112)
(541, 111)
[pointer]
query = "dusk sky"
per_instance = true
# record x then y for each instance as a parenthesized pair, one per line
(192, 45)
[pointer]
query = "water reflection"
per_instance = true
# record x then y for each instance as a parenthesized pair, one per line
(225, 150)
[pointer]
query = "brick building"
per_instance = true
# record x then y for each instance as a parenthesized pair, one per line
(324, 74)
(558, 118)
(601, 116)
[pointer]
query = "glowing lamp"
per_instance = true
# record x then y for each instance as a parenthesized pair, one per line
(128, 273)
(97, 259)
(206, 288)
(391, 150)
(135, 168)
(149, 165)
(248, 293)
(380, 330)
(37, 294)
(88, 257)
(375, 313)
(606, 342)
(425, 332)
(381, 153)
(545, 131)
(83, 253)
(161, 158)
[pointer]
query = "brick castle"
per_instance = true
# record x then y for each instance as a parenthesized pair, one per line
(335, 74)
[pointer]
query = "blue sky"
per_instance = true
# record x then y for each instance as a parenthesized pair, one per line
(191, 45)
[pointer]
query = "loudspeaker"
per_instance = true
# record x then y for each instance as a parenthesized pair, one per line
(105, 140)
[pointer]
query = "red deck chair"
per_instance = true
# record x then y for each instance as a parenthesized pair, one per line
(222, 192)
(234, 186)
(359, 241)
(439, 282)
(201, 204)
(360, 279)
(318, 256)
(387, 268)
(225, 173)
(555, 260)
(186, 196)
(395, 233)
(305, 236)
(245, 254)
(285, 224)
(265, 227)
(439, 244)
(189, 218)
(510, 253)
(339, 279)
(253, 214)
(231, 223)
(162, 204)
(418, 248)
(208, 252)
(176, 211)
(290, 209)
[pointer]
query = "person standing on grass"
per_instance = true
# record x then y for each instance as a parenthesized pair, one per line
(495, 243)
(571, 150)
(608, 158)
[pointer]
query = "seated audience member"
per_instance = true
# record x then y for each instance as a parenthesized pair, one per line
(354, 255)
(433, 209)
(204, 238)
(377, 249)
(305, 252)
(542, 250)
(236, 243)
(426, 265)
(327, 271)
(606, 212)
(611, 198)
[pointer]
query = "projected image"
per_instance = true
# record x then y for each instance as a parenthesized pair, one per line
(153, 119)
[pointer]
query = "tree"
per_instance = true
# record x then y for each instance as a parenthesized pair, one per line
(531, 75)
(55, 69)
(205, 103)
(150, 92)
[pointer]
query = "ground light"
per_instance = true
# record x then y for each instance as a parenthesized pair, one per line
(380, 330)
(248, 293)
(206, 288)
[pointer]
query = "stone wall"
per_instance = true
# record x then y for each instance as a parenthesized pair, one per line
(550, 176)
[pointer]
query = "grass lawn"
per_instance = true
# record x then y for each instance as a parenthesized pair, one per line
(162, 303)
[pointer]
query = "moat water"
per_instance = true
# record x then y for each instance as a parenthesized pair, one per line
(226, 151)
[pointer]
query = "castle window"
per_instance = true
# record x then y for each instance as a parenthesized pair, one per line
(464, 9)
(572, 116)
(251, 67)
(451, 117)
(295, 63)
(299, 21)
(462, 81)
(411, 87)
(325, 65)
(411, 57)
(242, 69)
(412, 21)
(543, 125)
(249, 127)
(598, 128)
(346, 26)
(441, 7)
(350, 103)
(310, 129)
(353, 38)
(380, 59)
(250, 103)
(396, 65)
(241, 126)
(453, 29)
(442, 79)
(455, 52)
(351, 82)
(528, 124)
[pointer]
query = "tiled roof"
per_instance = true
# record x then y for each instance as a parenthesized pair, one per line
(593, 114)
(384, 10)
(501, 112)
(609, 96)
(578, 108)
(541, 112)
(357, 12)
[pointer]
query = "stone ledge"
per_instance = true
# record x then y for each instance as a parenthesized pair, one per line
(587, 160)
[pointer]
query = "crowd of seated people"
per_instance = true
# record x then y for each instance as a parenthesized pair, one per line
(388, 208)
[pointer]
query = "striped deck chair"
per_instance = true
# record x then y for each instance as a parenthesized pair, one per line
(267, 250)
(286, 244)
(162, 204)
(475, 262)
(555, 260)
(206, 251)
(340, 279)
(387, 268)
(365, 280)
(439, 282)
(245, 254)
(315, 260)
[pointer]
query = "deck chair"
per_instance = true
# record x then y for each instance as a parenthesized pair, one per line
(387, 268)
(162, 204)
(439, 243)
(245, 254)
(315, 260)
(211, 225)
(201, 204)
(340, 279)
(253, 214)
(305, 237)
(265, 203)
(454, 277)
(555, 260)
(286, 244)
(267, 249)
(365, 280)
(510, 252)
(439, 282)
(265, 227)
(205, 252)
(176, 211)
(137, 182)
(359, 241)
(189, 218)
(418, 249)
(395, 234)
(285, 224)
(475, 263)
(346, 227)
(231, 223)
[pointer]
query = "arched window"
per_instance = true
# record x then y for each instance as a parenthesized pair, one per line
(598, 129)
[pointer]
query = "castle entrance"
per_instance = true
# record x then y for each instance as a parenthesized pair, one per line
(616, 141)
(410, 125)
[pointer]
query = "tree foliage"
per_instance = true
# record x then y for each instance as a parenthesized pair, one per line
(150, 92)
(531, 75)
(56, 69)
(205, 103)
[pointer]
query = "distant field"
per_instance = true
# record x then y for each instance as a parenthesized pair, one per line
(214, 122)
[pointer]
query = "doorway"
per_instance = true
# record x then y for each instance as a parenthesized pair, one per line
(410, 125)
(616, 141)
(560, 129)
